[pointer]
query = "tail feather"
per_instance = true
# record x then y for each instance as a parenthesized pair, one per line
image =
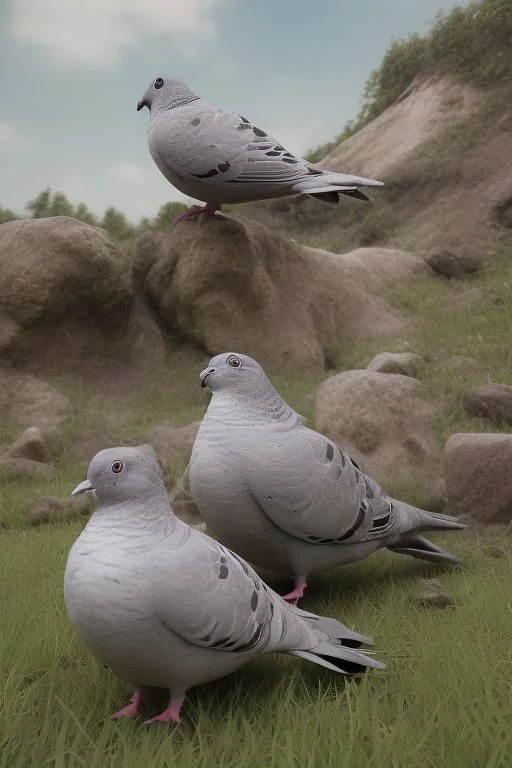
(334, 196)
(335, 629)
(339, 659)
(432, 521)
(420, 547)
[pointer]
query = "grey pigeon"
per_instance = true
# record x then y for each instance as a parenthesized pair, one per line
(285, 497)
(164, 605)
(218, 156)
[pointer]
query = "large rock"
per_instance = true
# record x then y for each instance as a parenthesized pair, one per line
(493, 401)
(453, 264)
(478, 476)
(32, 402)
(65, 291)
(383, 421)
(14, 469)
(406, 363)
(170, 444)
(230, 283)
(31, 444)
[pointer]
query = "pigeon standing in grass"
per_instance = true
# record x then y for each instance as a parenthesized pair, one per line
(164, 605)
(285, 497)
(217, 156)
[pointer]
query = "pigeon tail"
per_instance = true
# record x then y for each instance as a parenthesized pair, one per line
(338, 658)
(418, 546)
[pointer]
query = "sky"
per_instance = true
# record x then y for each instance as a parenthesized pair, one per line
(72, 71)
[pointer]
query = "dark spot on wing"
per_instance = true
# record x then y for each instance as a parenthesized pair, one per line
(243, 126)
(272, 153)
(195, 121)
(280, 148)
(329, 452)
(223, 572)
(220, 642)
(223, 559)
(289, 160)
(254, 600)
(263, 147)
(354, 462)
(251, 160)
(244, 120)
(380, 522)
(211, 172)
(212, 146)
(223, 167)
(253, 641)
(258, 131)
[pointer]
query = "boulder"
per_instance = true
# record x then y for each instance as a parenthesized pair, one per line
(453, 264)
(493, 401)
(478, 476)
(50, 509)
(13, 469)
(231, 283)
(32, 402)
(30, 445)
(172, 444)
(65, 291)
(406, 363)
(382, 420)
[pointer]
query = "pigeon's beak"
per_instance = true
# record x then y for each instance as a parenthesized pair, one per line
(142, 103)
(82, 488)
(204, 374)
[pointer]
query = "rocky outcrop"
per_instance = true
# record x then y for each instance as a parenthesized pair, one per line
(65, 291)
(478, 476)
(493, 401)
(230, 283)
(405, 363)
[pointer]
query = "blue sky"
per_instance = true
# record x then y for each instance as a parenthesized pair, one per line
(72, 71)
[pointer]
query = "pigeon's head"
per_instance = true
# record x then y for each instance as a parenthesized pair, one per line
(233, 371)
(121, 473)
(166, 93)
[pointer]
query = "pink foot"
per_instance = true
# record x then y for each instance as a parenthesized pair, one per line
(172, 713)
(136, 705)
(297, 592)
(193, 213)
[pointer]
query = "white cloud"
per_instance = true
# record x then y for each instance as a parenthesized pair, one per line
(10, 137)
(128, 171)
(95, 33)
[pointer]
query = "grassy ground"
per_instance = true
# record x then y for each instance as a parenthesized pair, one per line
(444, 699)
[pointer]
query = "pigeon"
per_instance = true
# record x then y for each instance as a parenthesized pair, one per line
(287, 498)
(218, 156)
(164, 605)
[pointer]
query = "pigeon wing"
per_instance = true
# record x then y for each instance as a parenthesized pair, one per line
(313, 490)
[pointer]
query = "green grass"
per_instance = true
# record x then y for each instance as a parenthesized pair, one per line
(443, 701)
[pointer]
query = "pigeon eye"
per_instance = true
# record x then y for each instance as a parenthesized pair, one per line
(234, 361)
(158, 82)
(117, 467)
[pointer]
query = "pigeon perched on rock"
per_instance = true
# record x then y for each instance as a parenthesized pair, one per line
(218, 156)
(164, 605)
(284, 497)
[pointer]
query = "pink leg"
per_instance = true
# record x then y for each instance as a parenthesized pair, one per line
(136, 705)
(297, 592)
(193, 213)
(172, 713)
